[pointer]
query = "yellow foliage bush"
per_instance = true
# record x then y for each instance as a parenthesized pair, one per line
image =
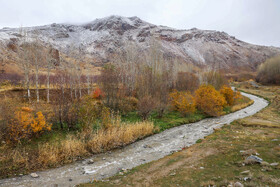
(228, 94)
(25, 124)
(237, 95)
(182, 102)
(209, 100)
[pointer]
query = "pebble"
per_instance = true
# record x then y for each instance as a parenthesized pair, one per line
(238, 184)
(274, 140)
(103, 158)
(253, 159)
(245, 172)
(274, 164)
(70, 179)
(172, 174)
(90, 161)
(247, 178)
(34, 175)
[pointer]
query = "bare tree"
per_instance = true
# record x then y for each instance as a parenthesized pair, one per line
(50, 63)
(25, 60)
(37, 61)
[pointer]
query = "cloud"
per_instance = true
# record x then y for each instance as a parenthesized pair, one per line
(254, 21)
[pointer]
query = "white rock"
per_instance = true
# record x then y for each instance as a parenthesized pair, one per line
(34, 175)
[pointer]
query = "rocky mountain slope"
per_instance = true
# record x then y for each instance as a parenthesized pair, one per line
(101, 38)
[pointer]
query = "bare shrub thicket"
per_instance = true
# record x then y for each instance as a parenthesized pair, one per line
(138, 74)
(214, 78)
(109, 81)
(187, 81)
(269, 71)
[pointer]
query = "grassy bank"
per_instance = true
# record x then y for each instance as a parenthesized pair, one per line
(173, 118)
(58, 147)
(219, 159)
(61, 147)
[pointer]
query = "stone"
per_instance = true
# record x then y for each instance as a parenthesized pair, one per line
(90, 161)
(34, 175)
(245, 172)
(274, 140)
(274, 164)
(247, 178)
(70, 179)
(238, 184)
(103, 158)
(253, 160)
(172, 174)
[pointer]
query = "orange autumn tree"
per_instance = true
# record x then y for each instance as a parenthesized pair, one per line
(97, 93)
(182, 102)
(25, 124)
(236, 96)
(228, 94)
(209, 100)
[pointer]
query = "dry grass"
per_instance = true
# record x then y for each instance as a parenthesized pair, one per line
(241, 106)
(63, 152)
(119, 135)
(71, 148)
(259, 123)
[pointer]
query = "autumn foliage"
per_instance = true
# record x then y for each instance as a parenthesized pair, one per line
(209, 100)
(97, 93)
(182, 102)
(228, 94)
(25, 124)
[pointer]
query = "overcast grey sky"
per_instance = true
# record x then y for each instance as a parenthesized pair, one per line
(254, 21)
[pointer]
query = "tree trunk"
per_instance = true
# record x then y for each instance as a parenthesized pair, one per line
(27, 85)
(88, 84)
(48, 86)
(36, 80)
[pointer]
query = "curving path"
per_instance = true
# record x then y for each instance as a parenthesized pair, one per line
(140, 152)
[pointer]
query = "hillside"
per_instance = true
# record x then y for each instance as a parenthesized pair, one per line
(100, 39)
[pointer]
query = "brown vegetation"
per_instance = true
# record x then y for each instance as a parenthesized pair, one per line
(269, 71)
(214, 78)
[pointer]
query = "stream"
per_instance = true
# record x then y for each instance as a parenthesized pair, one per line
(157, 146)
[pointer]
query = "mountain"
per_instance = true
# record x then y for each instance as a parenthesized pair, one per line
(102, 38)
